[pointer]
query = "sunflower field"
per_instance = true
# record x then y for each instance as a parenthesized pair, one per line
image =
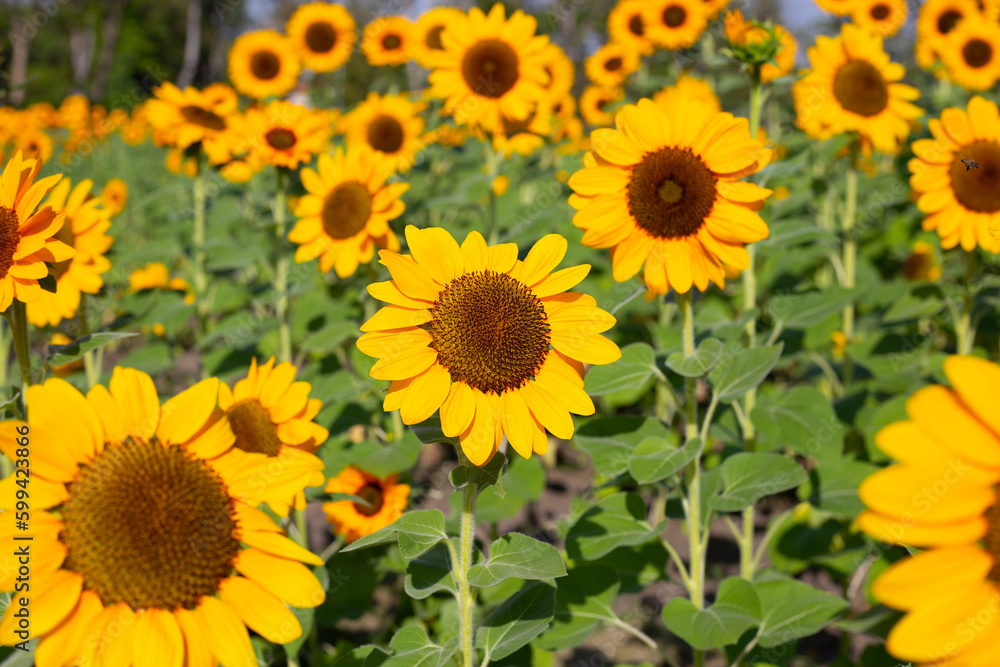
(657, 332)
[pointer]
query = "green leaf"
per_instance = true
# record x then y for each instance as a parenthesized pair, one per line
(48, 283)
(749, 476)
(736, 609)
(705, 357)
(796, 311)
(517, 621)
(306, 618)
(64, 354)
(833, 486)
(801, 419)
(740, 371)
(611, 440)
(876, 621)
(657, 458)
(388, 458)
(411, 647)
(429, 573)
(615, 521)
(521, 484)
(792, 610)
(583, 602)
(416, 532)
(517, 555)
(486, 475)
(635, 368)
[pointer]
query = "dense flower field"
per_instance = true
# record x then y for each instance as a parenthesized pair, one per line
(680, 355)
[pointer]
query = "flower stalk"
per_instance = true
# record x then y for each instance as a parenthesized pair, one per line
(466, 595)
(281, 261)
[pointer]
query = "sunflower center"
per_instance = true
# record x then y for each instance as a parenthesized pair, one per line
(385, 134)
(66, 235)
(321, 37)
(280, 138)
(613, 64)
(671, 192)
(391, 42)
(253, 428)
(490, 68)
(977, 53)
(149, 525)
(433, 38)
(9, 238)
(346, 210)
(203, 117)
(977, 189)
(265, 65)
(880, 12)
(947, 21)
(861, 88)
(489, 331)
(674, 16)
(635, 26)
(372, 495)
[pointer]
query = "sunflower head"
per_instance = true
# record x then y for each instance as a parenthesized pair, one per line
(627, 26)
(752, 42)
(611, 65)
(937, 18)
(675, 24)
(388, 40)
(971, 54)
(428, 46)
(263, 64)
(280, 134)
(880, 17)
(391, 125)
(114, 195)
(598, 104)
(380, 502)
(323, 33)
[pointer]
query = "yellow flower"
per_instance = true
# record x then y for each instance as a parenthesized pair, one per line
(347, 211)
(627, 26)
(389, 124)
(675, 24)
(688, 88)
(114, 195)
(281, 134)
(495, 343)
(500, 184)
(237, 171)
(145, 515)
(751, 42)
(427, 45)
(937, 18)
(191, 116)
(839, 340)
(526, 136)
(560, 70)
(611, 65)
(942, 497)
(385, 500)
(263, 64)
(388, 40)
(881, 17)
(152, 276)
(971, 53)
(597, 104)
(663, 191)
(34, 144)
(922, 264)
(324, 35)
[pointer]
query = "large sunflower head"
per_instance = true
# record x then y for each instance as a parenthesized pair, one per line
(941, 497)
(662, 190)
(183, 118)
(346, 211)
(689, 88)
(146, 516)
(427, 45)
(492, 67)
(598, 104)
(281, 134)
(388, 40)
(880, 17)
(971, 54)
(937, 18)
(384, 502)
(675, 24)
(627, 26)
(853, 87)
(323, 33)
(611, 65)
(495, 343)
(391, 125)
(263, 64)
(961, 203)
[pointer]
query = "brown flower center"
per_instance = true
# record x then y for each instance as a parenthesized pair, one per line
(253, 428)
(918, 266)
(977, 53)
(636, 26)
(490, 68)
(977, 189)
(66, 235)
(880, 12)
(433, 38)
(861, 88)
(9, 238)
(613, 64)
(321, 37)
(671, 192)
(385, 134)
(149, 525)
(372, 495)
(203, 117)
(346, 210)
(391, 42)
(490, 331)
(947, 21)
(265, 65)
(674, 16)
(280, 138)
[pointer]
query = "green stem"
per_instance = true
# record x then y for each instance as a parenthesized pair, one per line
(693, 502)
(302, 527)
(492, 171)
(850, 253)
(198, 241)
(965, 331)
(91, 368)
(5, 341)
(19, 325)
(466, 596)
(281, 261)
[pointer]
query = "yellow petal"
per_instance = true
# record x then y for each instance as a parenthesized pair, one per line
(588, 348)
(548, 410)
(66, 643)
(406, 364)
(930, 575)
(938, 411)
(897, 531)
(158, 641)
(426, 394)
(186, 413)
(458, 409)
(474, 252)
(411, 278)
(926, 496)
(226, 634)
(544, 256)
(196, 642)
(136, 397)
(52, 597)
(277, 544)
(560, 281)
(262, 612)
(436, 251)
(517, 422)
(945, 625)
(975, 379)
(214, 438)
(290, 581)
(394, 317)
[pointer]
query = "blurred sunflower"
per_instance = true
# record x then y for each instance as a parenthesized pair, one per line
(627, 26)
(611, 65)
(838, 7)
(385, 500)
(663, 190)
(880, 17)
(971, 53)
(713, 8)
(597, 104)
(347, 210)
(427, 45)
(675, 24)
(936, 19)
(272, 415)
(281, 134)
(495, 343)
(388, 40)
(785, 60)
(526, 136)
(34, 144)
(961, 204)
(191, 116)
(114, 196)
(263, 64)
(323, 33)
(688, 88)
(156, 276)
(390, 124)
(128, 488)
(560, 70)
(747, 37)
(921, 264)
(853, 87)
(950, 591)
(492, 68)
(84, 229)
(28, 237)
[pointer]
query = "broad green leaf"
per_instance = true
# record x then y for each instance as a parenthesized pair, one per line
(306, 618)
(517, 621)
(735, 610)
(876, 621)
(486, 475)
(610, 441)
(635, 368)
(429, 431)
(705, 356)
(411, 647)
(520, 556)
(804, 310)
(416, 532)
(801, 419)
(749, 476)
(742, 369)
(49, 283)
(383, 459)
(583, 601)
(522, 483)
(833, 486)
(429, 573)
(64, 354)
(657, 458)
(615, 521)
(792, 610)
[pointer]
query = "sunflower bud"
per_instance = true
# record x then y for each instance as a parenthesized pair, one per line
(752, 42)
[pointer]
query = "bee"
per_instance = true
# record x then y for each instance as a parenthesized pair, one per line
(970, 164)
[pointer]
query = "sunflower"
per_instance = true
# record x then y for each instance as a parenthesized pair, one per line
(263, 64)
(675, 24)
(560, 70)
(941, 497)
(388, 40)
(491, 68)
(597, 104)
(347, 211)
(971, 53)
(838, 7)
(191, 116)
(272, 415)
(526, 136)
(427, 45)
(663, 190)
(389, 124)
(281, 134)
(921, 264)
(28, 237)
(611, 65)
(495, 342)
(384, 502)
(785, 60)
(34, 144)
(627, 26)
(937, 18)
(880, 17)
(853, 87)
(146, 514)
(114, 195)
(84, 229)
(323, 33)
(688, 88)
(962, 204)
